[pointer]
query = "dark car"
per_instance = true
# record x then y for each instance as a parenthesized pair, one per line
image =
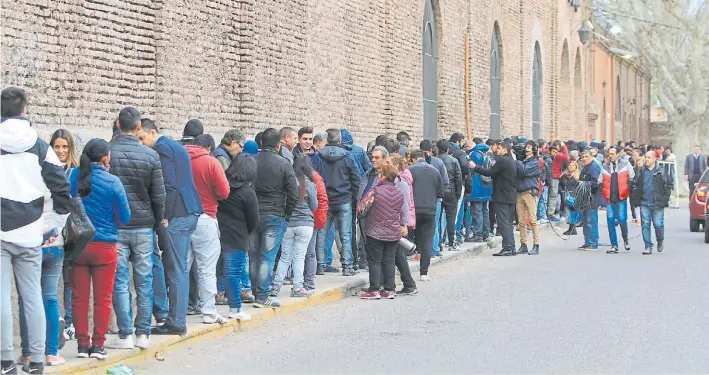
(698, 202)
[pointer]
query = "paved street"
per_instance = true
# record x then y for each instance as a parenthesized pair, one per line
(564, 311)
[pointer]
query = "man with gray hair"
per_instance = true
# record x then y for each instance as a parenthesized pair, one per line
(319, 140)
(231, 145)
(289, 138)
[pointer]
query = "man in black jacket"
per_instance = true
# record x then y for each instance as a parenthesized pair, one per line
(453, 191)
(428, 188)
(504, 195)
(139, 169)
(277, 192)
(457, 140)
(342, 182)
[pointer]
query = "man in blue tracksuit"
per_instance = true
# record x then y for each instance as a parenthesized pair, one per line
(481, 194)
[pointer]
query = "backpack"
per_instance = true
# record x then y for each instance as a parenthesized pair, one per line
(488, 162)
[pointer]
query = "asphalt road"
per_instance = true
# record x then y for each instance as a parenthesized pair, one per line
(564, 311)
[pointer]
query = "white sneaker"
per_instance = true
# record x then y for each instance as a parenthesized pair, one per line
(239, 315)
(118, 343)
(142, 341)
(212, 319)
(69, 332)
(425, 278)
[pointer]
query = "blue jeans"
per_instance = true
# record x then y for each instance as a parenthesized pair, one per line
(266, 240)
(330, 240)
(52, 262)
(235, 261)
(465, 217)
(573, 217)
(481, 218)
(590, 226)
(245, 279)
(437, 231)
(341, 216)
(656, 217)
(177, 270)
(542, 204)
(160, 306)
(138, 246)
(617, 211)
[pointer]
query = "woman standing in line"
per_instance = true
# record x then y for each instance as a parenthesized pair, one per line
(106, 204)
(569, 181)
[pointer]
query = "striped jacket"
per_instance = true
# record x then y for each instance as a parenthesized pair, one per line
(29, 167)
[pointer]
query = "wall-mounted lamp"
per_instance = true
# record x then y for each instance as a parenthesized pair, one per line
(585, 31)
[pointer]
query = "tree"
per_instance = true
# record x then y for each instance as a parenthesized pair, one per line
(671, 41)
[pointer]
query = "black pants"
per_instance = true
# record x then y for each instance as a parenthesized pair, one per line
(505, 214)
(424, 238)
(450, 207)
(381, 256)
(358, 255)
(194, 286)
(491, 212)
(403, 266)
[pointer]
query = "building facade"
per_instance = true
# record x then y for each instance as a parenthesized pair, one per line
(429, 67)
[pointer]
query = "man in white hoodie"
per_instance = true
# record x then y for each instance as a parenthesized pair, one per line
(29, 167)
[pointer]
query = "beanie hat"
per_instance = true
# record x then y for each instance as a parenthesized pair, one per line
(193, 128)
(251, 147)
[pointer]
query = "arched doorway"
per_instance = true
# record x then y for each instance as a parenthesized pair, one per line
(495, 83)
(565, 128)
(430, 73)
(537, 92)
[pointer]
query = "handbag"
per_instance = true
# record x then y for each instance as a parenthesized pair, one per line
(79, 231)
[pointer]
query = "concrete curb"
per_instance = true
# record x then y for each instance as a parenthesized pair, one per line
(205, 332)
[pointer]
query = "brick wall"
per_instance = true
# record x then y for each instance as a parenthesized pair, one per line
(259, 63)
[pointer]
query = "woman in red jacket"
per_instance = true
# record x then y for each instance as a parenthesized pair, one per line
(320, 234)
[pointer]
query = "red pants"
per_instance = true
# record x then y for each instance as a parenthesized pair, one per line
(98, 265)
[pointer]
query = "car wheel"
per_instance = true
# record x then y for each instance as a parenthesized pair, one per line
(693, 225)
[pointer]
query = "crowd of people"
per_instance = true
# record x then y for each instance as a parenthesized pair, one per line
(203, 224)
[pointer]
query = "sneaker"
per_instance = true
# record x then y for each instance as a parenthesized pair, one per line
(627, 246)
(660, 246)
(193, 310)
(142, 341)
(267, 303)
(213, 319)
(613, 250)
(221, 300)
(34, 368)
(62, 338)
(388, 294)
(370, 295)
(84, 352)
(309, 292)
(23, 360)
(98, 353)
(320, 270)
(543, 222)
(406, 291)
(247, 296)
(160, 322)
(55, 360)
(275, 289)
(454, 247)
(69, 332)
(647, 251)
(425, 278)
(239, 315)
(120, 343)
(348, 271)
(297, 292)
(331, 269)
(8, 367)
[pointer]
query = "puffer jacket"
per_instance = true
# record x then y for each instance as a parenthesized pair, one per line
(481, 190)
(107, 206)
(455, 177)
(387, 215)
(320, 214)
(528, 173)
(139, 170)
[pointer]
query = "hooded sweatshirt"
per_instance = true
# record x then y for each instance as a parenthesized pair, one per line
(340, 174)
(481, 191)
(360, 157)
(29, 167)
(209, 178)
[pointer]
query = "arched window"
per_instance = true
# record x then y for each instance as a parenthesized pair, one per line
(430, 74)
(537, 92)
(495, 84)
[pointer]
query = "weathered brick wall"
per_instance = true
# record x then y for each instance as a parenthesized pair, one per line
(259, 63)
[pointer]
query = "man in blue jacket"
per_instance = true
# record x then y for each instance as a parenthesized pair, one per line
(481, 194)
(182, 208)
(528, 172)
(591, 174)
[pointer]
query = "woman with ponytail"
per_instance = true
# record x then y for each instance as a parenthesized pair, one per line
(106, 204)
(300, 229)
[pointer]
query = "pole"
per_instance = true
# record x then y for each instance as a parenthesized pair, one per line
(468, 131)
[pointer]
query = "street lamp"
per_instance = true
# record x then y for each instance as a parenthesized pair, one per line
(585, 31)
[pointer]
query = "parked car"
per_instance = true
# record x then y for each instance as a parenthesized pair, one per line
(698, 202)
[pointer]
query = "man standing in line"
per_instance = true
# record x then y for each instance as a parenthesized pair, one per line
(618, 175)
(212, 185)
(452, 193)
(428, 190)
(591, 174)
(305, 145)
(139, 169)
(528, 173)
(277, 192)
(694, 165)
(182, 208)
(289, 138)
(231, 145)
(427, 148)
(193, 128)
(457, 140)
(560, 158)
(403, 138)
(342, 182)
(651, 191)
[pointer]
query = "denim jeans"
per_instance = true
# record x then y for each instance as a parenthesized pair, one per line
(459, 217)
(573, 217)
(177, 269)
(542, 204)
(26, 264)
(656, 217)
(589, 217)
(205, 252)
(266, 240)
(234, 265)
(160, 307)
(311, 263)
(293, 249)
(617, 211)
(136, 245)
(66, 274)
(481, 218)
(341, 216)
(245, 279)
(321, 246)
(437, 230)
(52, 263)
